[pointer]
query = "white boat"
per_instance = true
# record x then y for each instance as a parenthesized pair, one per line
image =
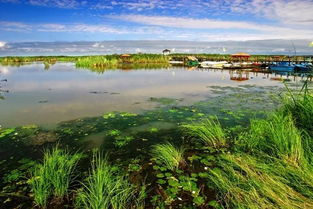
(212, 64)
(176, 62)
(227, 65)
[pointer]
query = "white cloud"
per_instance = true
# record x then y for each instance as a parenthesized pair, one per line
(284, 11)
(14, 26)
(66, 4)
(207, 24)
(140, 5)
(52, 27)
(2, 44)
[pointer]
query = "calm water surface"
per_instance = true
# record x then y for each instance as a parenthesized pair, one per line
(46, 97)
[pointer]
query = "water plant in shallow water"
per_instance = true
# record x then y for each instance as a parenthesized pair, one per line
(209, 131)
(54, 175)
(5, 132)
(300, 105)
(114, 132)
(244, 181)
(168, 155)
(109, 115)
(40, 186)
(105, 188)
(121, 141)
(279, 137)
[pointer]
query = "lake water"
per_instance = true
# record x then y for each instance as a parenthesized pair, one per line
(47, 97)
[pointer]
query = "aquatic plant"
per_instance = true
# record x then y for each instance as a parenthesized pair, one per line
(40, 185)
(53, 176)
(121, 141)
(300, 105)
(243, 181)
(105, 188)
(209, 131)
(163, 100)
(109, 115)
(169, 156)
(115, 61)
(277, 136)
(5, 132)
(60, 166)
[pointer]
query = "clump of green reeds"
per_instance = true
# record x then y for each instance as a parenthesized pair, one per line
(277, 136)
(275, 168)
(105, 188)
(300, 105)
(170, 156)
(111, 61)
(54, 175)
(97, 61)
(40, 186)
(209, 131)
(244, 181)
(148, 58)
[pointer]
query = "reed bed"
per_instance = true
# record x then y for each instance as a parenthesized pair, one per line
(53, 176)
(209, 131)
(170, 156)
(271, 164)
(105, 188)
(244, 181)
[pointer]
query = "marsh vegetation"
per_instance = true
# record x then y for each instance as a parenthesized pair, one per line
(245, 147)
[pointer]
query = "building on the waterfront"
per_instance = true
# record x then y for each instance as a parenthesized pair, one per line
(166, 52)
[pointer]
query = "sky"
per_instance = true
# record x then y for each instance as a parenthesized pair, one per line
(184, 20)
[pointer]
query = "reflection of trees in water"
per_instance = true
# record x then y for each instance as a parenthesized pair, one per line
(1, 89)
(128, 66)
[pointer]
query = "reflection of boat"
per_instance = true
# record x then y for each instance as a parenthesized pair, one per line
(234, 65)
(192, 63)
(176, 62)
(282, 67)
(213, 64)
(304, 67)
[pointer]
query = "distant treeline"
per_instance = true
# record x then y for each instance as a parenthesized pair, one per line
(116, 59)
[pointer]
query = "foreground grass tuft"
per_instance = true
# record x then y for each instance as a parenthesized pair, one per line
(170, 156)
(209, 132)
(277, 136)
(105, 188)
(244, 181)
(53, 176)
(300, 105)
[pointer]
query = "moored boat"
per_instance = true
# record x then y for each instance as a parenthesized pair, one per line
(282, 67)
(304, 67)
(213, 64)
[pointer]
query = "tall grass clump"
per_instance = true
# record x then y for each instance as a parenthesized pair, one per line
(105, 188)
(300, 105)
(40, 186)
(271, 163)
(60, 166)
(97, 61)
(170, 156)
(243, 181)
(54, 175)
(279, 137)
(209, 131)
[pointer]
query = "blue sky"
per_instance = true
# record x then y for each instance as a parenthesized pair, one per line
(193, 20)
